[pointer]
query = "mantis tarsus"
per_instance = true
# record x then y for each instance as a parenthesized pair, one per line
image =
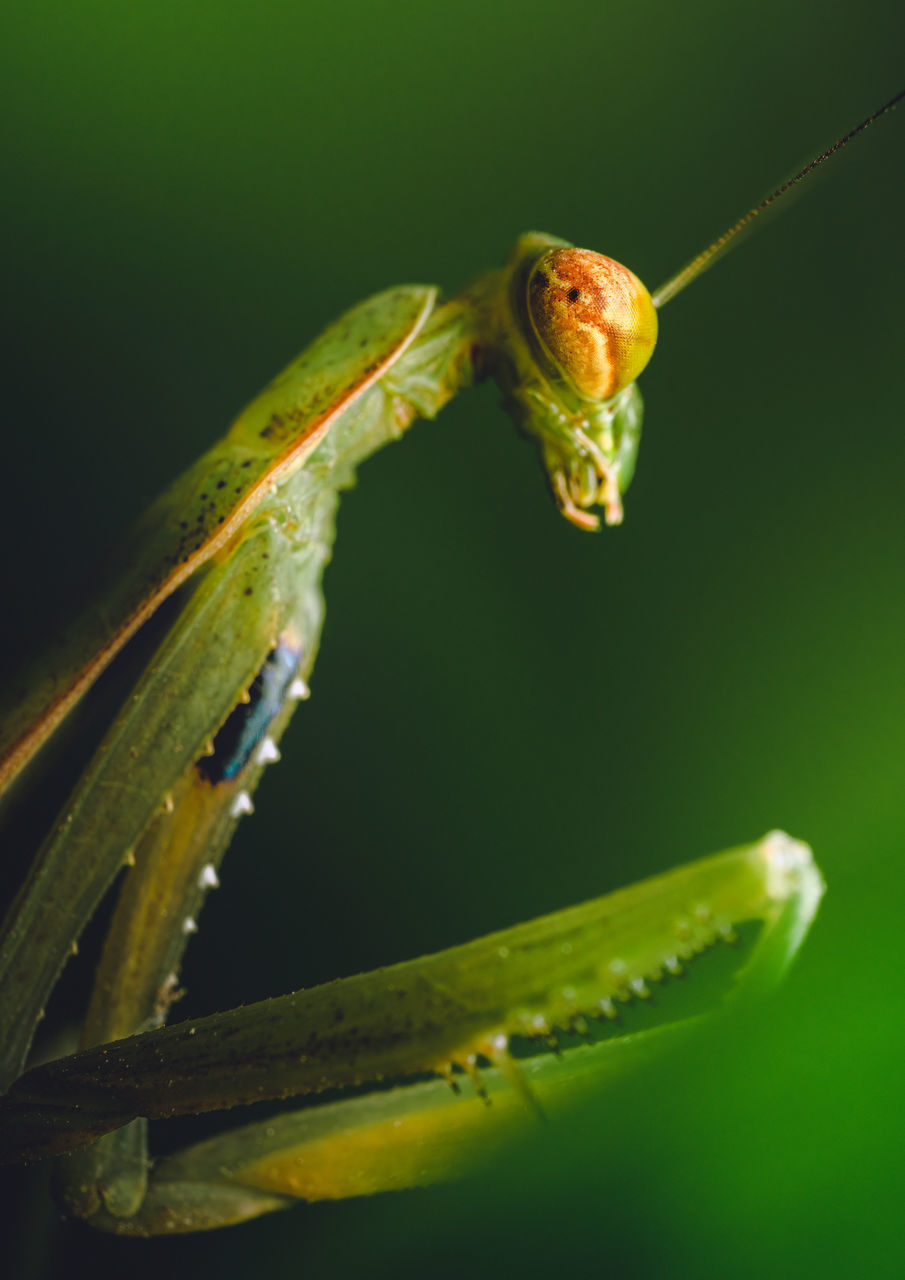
(244, 536)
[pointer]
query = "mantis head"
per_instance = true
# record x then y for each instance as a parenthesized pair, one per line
(586, 328)
(581, 328)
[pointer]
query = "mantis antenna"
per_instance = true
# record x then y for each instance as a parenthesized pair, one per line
(675, 284)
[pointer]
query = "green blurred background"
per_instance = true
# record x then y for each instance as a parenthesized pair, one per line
(510, 716)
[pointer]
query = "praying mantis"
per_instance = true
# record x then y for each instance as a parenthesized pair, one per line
(243, 538)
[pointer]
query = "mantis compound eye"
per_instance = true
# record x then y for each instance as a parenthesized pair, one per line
(593, 318)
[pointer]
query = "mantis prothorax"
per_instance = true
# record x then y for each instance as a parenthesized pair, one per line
(245, 534)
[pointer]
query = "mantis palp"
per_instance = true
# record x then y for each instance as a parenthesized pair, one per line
(244, 535)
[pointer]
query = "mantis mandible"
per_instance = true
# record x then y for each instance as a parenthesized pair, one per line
(243, 537)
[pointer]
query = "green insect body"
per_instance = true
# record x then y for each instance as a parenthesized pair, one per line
(244, 537)
(254, 589)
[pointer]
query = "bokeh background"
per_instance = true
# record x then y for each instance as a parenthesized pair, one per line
(510, 716)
